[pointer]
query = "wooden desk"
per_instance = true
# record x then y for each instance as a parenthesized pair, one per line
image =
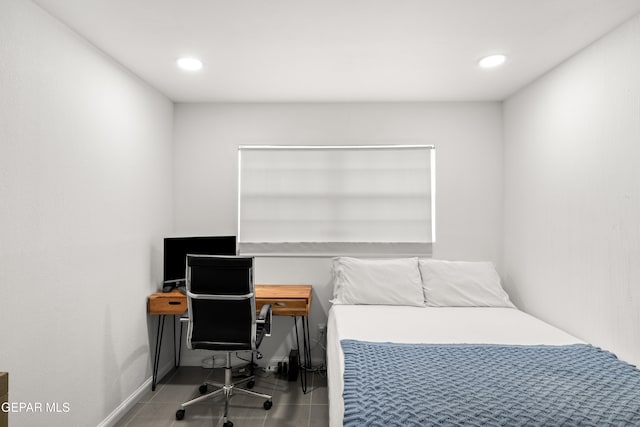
(285, 300)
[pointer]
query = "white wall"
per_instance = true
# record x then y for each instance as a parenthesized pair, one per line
(468, 140)
(572, 194)
(85, 197)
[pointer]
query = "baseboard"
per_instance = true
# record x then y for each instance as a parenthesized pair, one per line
(134, 398)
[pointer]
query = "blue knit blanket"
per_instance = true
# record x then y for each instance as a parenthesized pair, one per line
(387, 384)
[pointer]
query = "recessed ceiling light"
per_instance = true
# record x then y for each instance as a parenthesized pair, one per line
(492, 61)
(189, 64)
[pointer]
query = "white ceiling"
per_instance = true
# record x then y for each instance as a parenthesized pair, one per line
(340, 50)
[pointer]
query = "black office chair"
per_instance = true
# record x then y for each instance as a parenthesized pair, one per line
(222, 317)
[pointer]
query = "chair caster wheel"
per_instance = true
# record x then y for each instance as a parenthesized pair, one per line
(267, 405)
(203, 389)
(228, 424)
(179, 414)
(251, 383)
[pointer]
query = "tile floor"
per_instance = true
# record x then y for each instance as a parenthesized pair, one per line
(291, 407)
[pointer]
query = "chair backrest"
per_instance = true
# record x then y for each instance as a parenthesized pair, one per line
(221, 302)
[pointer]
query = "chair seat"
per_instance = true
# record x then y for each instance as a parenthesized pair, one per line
(260, 333)
(220, 346)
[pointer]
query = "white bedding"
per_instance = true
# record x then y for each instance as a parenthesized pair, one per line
(403, 324)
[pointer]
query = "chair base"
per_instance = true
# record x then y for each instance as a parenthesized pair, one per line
(227, 389)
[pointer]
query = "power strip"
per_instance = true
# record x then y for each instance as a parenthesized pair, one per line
(275, 363)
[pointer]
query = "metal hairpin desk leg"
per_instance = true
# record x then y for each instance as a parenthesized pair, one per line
(176, 356)
(176, 359)
(156, 358)
(306, 350)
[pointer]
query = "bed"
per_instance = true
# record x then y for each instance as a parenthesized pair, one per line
(413, 339)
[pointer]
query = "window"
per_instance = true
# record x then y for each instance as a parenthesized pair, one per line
(336, 200)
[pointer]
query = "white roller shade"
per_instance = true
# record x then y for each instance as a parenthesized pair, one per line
(336, 200)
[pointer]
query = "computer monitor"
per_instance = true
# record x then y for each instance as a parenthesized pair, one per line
(177, 248)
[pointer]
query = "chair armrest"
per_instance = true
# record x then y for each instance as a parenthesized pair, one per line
(266, 309)
(264, 317)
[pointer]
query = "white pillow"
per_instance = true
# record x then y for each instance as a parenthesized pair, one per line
(462, 284)
(377, 281)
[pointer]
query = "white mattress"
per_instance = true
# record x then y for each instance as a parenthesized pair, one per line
(402, 324)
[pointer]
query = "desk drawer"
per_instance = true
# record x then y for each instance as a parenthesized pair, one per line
(167, 304)
(284, 307)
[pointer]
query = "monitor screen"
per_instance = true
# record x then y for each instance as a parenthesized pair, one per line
(177, 248)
